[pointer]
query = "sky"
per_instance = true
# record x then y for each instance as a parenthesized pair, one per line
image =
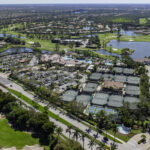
(71, 1)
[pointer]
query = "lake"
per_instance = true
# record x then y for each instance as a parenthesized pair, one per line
(142, 49)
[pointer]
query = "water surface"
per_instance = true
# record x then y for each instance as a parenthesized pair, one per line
(141, 49)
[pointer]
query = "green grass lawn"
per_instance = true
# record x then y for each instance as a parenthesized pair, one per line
(9, 137)
(122, 20)
(143, 20)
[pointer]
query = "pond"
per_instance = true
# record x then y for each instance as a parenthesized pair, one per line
(88, 36)
(15, 50)
(87, 28)
(129, 33)
(104, 52)
(141, 49)
(11, 35)
(46, 52)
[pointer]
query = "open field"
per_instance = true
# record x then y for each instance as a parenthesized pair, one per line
(143, 20)
(122, 20)
(9, 137)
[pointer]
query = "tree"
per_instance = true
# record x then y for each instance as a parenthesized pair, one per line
(76, 134)
(101, 147)
(71, 44)
(46, 109)
(143, 138)
(91, 144)
(59, 130)
(83, 135)
(107, 125)
(113, 146)
(76, 107)
(69, 130)
(68, 145)
(57, 47)
(118, 33)
(110, 49)
(100, 119)
(115, 129)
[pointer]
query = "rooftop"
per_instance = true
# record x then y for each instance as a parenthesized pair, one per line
(113, 84)
(95, 76)
(132, 90)
(118, 69)
(120, 78)
(107, 76)
(128, 71)
(133, 80)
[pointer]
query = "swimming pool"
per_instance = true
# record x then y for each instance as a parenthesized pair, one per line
(108, 64)
(85, 61)
(123, 130)
(67, 58)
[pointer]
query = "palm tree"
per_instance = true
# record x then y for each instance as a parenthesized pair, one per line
(69, 130)
(91, 144)
(59, 130)
(101, 147)
(115, 129)
(100, 119)
(83, 135)
(110, 49)
(112, 147)
(143, 138)
(76, 134)
(107, 125)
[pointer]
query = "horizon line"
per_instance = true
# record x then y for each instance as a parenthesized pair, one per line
(68, 3)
